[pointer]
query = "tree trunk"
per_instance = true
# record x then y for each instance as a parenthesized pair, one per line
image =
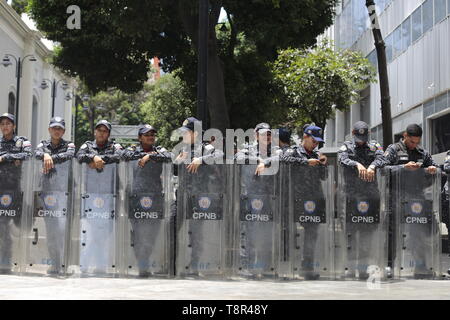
(383, 72)
(217, 104)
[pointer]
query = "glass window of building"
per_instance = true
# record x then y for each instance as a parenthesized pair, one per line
(440, 138)
(416, 24)
(373, 59)
(440, 10)
(11, 103)
(389, 50)
(440, 103)
(427, 15)
(406, 34)
(448, 6)
(397, 42)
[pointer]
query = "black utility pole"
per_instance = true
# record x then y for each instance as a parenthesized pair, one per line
(18, 76)
(202, 76)
(383, 73)
(54, 84)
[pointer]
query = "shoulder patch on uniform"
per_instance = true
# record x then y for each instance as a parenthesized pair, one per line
(71, 145)
(118, 146)
(386, 153)
(40, 145)
(372, 147)
(343, 148)
(27, 143)
(162, 149)
(84, 146)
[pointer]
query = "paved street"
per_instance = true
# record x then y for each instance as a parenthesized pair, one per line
(14, 287)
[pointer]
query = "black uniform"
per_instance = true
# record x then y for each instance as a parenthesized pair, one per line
(60, 153)
(18, 148)
(399, 154)
(252, 154)
(357, 191)
(413, 183)
(307, 186)
(157, 153)
(110, 152)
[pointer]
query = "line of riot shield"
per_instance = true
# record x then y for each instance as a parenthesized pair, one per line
(147, 219)
(415, 201)
(14, 202)
(309, 223)
(256, 223)
(362, 249)
(446, 219)
(93, 249)
(203, 221)
(48, 237)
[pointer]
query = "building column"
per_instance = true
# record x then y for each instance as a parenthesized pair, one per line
(355, 114)
(330, 131)
(340, 127)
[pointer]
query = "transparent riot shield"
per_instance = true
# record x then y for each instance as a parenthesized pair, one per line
(47, 240)
(203, 218)
(147, 219)
(445, 257)
(14, 202)
(415, 203)
(93, 231)
(309, 221)
(256, 221)
(362, 251)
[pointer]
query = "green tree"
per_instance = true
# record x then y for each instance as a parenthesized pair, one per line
(167, 105)
(117, 39)
(320, 79)
(20, 6)
(113, 105)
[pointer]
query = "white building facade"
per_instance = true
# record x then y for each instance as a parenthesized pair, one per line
(417, 36)
(35, 104)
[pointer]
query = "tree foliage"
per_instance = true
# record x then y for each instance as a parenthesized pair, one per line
(318, 80)
(118, 37)
(167, 105)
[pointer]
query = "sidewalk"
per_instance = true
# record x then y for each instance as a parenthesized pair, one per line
(14, 287)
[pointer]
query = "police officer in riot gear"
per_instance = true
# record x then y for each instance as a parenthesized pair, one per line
(359, 159)
(195, 152)
(146, 150)
(13, 150)
(145, 231)
(306, 154)
(409, 155)
(262, 151)
(284, 135)
(101, 151)
(56, 149)
(360, 154)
